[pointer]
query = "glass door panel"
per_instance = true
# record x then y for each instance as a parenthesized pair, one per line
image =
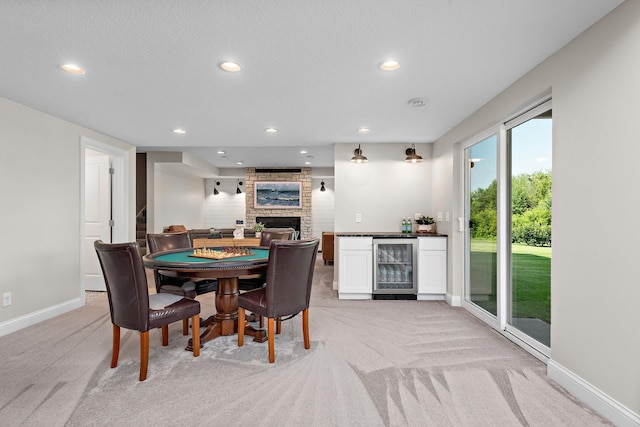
(529, 146)
(482, 210)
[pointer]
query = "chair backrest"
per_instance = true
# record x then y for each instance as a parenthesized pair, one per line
(269, 234)
(126, 282)
(168, 241)
(289, 276)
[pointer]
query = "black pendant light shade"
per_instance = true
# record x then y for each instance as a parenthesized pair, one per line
(215, 188)
(412, 157)
(238, 191)
(322, 186)
(358, 157)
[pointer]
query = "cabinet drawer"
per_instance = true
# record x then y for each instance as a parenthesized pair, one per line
(356, 243)
(432, 243)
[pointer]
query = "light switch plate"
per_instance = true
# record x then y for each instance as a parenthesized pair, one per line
(358, 217)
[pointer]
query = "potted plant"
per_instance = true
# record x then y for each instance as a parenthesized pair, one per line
(258, 227)
(426, 224)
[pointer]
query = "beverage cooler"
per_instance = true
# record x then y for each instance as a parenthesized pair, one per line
(394, 266)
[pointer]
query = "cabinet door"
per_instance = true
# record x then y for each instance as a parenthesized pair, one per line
(432, 272)
(355, 274)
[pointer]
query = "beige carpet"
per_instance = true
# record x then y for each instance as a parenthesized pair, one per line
(371, 363)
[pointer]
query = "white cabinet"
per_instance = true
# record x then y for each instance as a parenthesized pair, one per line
(432, 268)
(355, 271)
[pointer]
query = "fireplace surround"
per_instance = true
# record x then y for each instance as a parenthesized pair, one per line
(281, 222)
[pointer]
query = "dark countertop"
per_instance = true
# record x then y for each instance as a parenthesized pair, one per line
(388, 235)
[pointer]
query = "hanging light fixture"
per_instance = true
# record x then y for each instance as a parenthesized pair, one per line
(215, 189)
(322, 186)
(358, 157)
(412, 157)
(238, 191)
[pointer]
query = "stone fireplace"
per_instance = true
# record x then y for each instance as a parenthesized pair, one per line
(300, 219)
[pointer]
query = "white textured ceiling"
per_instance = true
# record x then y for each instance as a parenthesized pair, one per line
(309, 68)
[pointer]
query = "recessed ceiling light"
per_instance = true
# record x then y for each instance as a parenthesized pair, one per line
(307, 163)
(364, 130)
(271, 130)
(418, 102)
(221, 152)
(72, 68)
(179, 131)
(231, 67)
(390, 65)
(239, 163)
(303, 151)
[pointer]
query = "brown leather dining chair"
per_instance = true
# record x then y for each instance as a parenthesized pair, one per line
(131, 306)
(268, 235)
(287, 290)
(177, 286)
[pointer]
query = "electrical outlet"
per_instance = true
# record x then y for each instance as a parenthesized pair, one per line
(439, 216)
(358, 217)
(6, 299)
(447, 217)
(417, 216)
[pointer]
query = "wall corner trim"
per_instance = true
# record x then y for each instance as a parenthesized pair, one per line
(600, 402)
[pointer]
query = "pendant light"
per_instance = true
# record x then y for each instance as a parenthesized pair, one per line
(358, 157)
(412, 157)
(238, 191)
(322, 186)
(215, 189)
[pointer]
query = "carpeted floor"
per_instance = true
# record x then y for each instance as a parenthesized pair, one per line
(371, 363)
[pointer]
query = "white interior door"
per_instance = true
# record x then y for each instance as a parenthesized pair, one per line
(97, 214)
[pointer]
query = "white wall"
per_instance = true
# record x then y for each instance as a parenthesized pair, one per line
(40, 185)
(223, 209)
(595, 85)
(323, 206)
(384, 190)
(178, 199)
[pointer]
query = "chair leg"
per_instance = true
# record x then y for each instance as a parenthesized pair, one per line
(165, 335)
(144, 354)
(115, 349)
(241, 317)
(272, 356)
(278, 326)
(185, 326)
(305, 328)
(261, 322)
(195, 335)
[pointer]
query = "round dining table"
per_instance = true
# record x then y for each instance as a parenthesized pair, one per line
(186, 263)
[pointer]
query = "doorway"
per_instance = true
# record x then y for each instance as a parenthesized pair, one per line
(507, 245)
(104, 205)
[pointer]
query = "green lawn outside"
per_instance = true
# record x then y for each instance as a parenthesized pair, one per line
(531, 275)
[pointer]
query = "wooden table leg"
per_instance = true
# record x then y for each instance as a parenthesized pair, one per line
(225, 320)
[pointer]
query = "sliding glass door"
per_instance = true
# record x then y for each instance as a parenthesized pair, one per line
(529, 154)
(482, 209)
(507, 202)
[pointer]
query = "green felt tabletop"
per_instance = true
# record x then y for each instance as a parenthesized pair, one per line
(183, 257)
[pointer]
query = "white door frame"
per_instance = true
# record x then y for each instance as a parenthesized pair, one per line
(119, 198)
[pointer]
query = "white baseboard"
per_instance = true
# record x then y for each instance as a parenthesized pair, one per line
(430, 297)
(347, 295)
(21, 322)
(454, 301)
(600, 402)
